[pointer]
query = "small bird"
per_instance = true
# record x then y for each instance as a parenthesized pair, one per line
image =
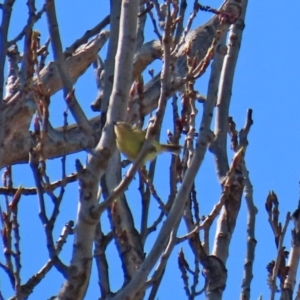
(130, 140)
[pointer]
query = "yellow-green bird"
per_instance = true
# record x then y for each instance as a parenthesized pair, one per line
(130, 140)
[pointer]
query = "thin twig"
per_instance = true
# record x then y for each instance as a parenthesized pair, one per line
(48, 224)
(33, 191)
(96, 212)
(251, 240)
(195, 276)
(156, 278)
(28, 287)
(191, 18)
(32, 19)
(184, 268)
(154, 225)
(152, 190)
(17, 238)
(6, 15)
(154, 25)
(252, 211)
(101, 261)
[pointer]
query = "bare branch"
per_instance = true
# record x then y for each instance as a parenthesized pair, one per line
(86, 36)
(154, 25)
(156, 278)
(32, 191)
(101, 261)
(279, 256)
(293, 263)
(124, 96)
(200, 39)
(219, 144)
(179, 30)
(184, 268)
(141, 21)
(6, 15)
(19, 110)
(152, 190)
(126, 236)
(58, 55)
(145, 55)
(89, 177)
(28, 287)
(101, 104)
(32, 18)
(251, 240)
(48, 225)
(119, 190)
(17, 250)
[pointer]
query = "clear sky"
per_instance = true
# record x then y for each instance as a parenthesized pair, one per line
(267, 74)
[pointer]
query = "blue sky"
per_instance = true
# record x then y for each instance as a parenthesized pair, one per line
(266, 78)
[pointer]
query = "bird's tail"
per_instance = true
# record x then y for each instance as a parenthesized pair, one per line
(174, 149)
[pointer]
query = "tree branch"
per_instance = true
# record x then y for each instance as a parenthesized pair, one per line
(58, 55)
(89, 178)
(86, 36)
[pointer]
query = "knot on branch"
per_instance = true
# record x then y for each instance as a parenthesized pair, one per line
(215, 273)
